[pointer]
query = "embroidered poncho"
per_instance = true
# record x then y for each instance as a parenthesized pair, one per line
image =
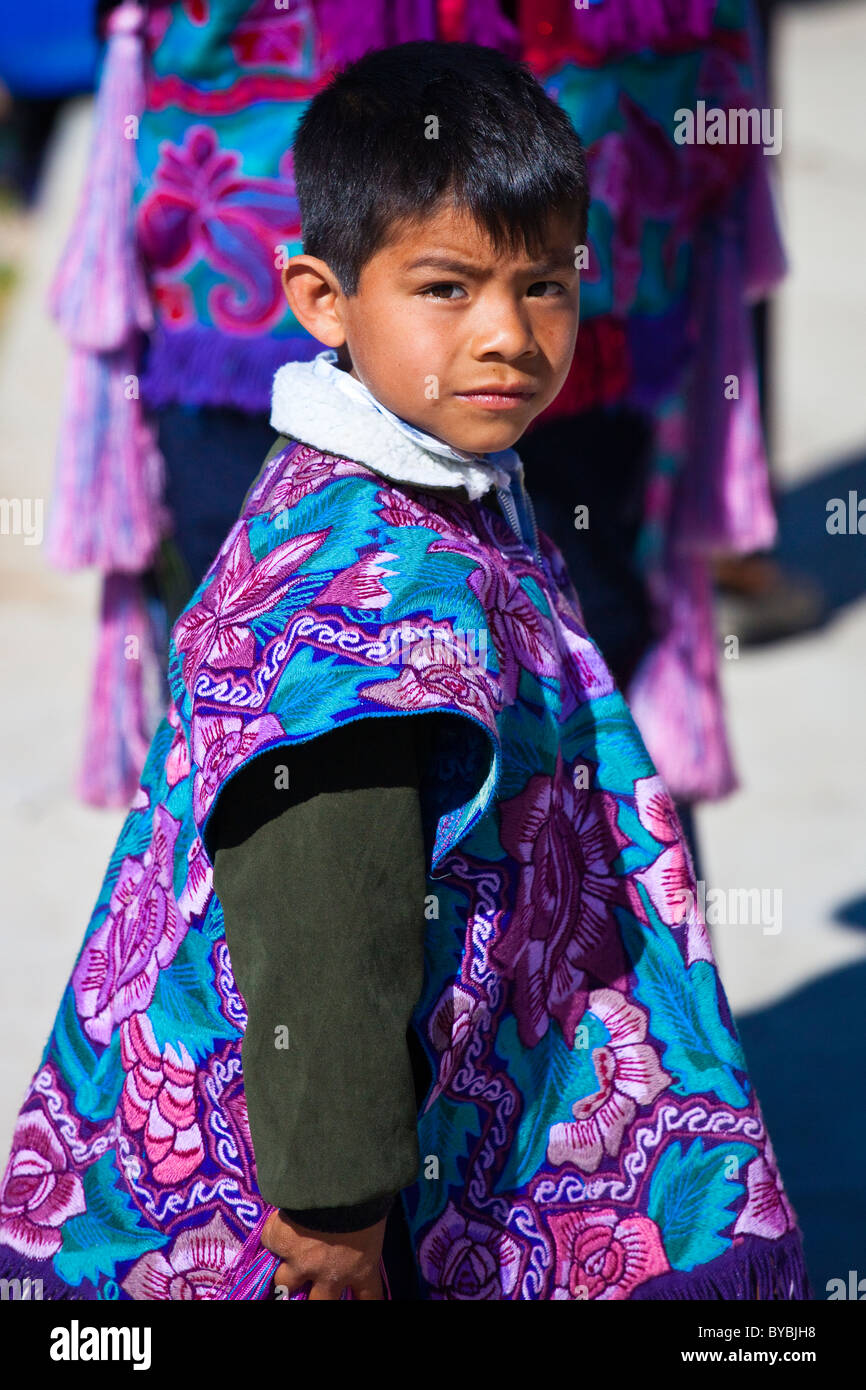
(591, 1131)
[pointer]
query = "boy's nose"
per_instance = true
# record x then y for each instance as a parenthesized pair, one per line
(503, 331)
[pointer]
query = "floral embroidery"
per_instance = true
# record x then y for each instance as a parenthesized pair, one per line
(767, 1212)
(555, 986)
(564, 911)
(158, 1097)
(601, 1256)
(216, 630)
(39, 1193)
(116, 974)
(203, 208)
(197, 1259)
(464, 1259)
(629, 1075)
(669, 880)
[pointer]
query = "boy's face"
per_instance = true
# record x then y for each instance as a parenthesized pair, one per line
(461, 342)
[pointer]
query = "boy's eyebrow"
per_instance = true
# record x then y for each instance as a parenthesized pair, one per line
(443, 263)
(557, 261)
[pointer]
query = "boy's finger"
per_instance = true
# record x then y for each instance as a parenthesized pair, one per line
(370, 1290)
(286, 1282)
(325, 1291)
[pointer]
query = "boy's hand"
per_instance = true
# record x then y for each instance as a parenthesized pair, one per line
(331, 1261)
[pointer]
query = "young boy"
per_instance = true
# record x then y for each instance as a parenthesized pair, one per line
(397, 843)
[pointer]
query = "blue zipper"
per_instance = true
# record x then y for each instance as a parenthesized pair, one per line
(509, 507)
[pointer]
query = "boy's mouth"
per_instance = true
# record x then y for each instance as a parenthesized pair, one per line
(497, 397)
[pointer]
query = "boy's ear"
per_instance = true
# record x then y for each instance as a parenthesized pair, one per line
(313, 292)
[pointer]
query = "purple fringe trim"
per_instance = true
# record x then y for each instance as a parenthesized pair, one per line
(54, 1289)
(204, 366)
(754, 1269)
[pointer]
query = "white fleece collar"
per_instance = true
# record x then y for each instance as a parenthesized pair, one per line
(320, 404)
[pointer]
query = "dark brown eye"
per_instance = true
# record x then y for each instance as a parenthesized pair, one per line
(538, 289)
(434, 291)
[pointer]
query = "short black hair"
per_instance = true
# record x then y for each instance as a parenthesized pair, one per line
(364, 157)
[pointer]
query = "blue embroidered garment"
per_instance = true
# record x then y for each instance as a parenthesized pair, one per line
(591, 1131)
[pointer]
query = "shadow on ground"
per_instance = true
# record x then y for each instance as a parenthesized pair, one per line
(837, 562)
(807, 1059)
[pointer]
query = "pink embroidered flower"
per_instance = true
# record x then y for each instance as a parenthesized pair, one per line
(564, 837)
(158, 1097)
(119, 964)
(451, 1025)
(767, 1212)
(599, 1256)
(670, 879)
(359, 585)
(466, 1259)
(437, 670)
(628, 1074)
(193, 1266)
(199, 882)
(38, 1192)
(202, 207)
(306, 472)
(177, 764)
(215, 630)
(522, 635)
(398, 508)
(220, 742)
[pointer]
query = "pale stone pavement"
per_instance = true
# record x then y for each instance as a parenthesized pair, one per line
(795, 708)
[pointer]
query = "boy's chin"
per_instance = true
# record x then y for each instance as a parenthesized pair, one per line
(490, 442)
(488, 437)
(473, 430)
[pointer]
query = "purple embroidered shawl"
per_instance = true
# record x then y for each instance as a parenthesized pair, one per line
(592, 1131)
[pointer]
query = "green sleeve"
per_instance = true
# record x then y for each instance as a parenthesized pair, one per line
(322, 885)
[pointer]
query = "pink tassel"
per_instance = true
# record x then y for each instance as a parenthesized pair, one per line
(109, 480)
(99, 296)
(250, 1276)
(110, 476)
(107, 509)
(120, 722)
